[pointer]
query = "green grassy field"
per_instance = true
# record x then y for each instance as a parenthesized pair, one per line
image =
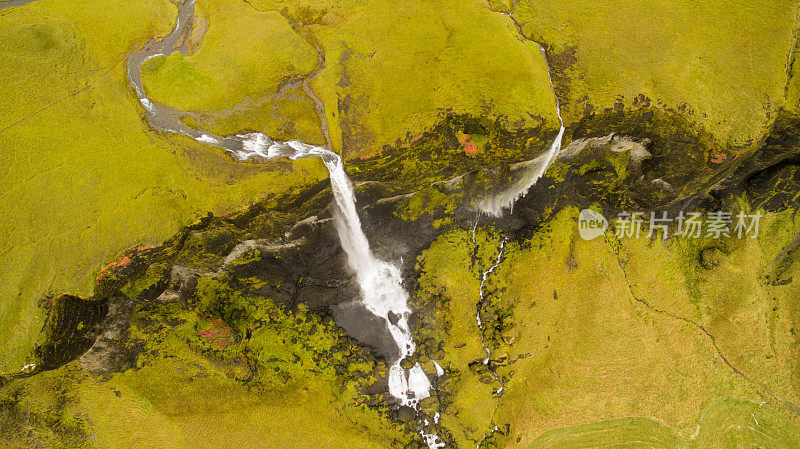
(188, 391)
(83, 178)
(241, 53)
(575, 345)
(730, 423)
(378, 84)
(639, 362)
(618, 434)
(450, 55)
(725, 63)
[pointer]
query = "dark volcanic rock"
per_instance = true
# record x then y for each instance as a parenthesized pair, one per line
(406, 414)
(288, 247)
(365, 327)
(109, 353)
(72, 326)
(182, 284)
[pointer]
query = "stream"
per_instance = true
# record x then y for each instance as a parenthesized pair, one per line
(496, 204)
(11, 3)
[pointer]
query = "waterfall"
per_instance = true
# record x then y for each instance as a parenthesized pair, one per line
(380, 282)
(498, 203)
(531, 170)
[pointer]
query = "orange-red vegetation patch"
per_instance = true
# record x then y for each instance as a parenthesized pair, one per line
(466, 141)
(122, 262)
(470, 147)
(716, 155)
(364, 158)
(112, 267)
(218, 333)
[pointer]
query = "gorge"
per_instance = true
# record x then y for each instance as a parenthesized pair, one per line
(400, 265)
(380, 282)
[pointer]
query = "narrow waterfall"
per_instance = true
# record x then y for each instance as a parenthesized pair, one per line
(498, 203)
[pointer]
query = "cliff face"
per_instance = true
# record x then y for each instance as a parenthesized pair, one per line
(259, 304)
(365, 76)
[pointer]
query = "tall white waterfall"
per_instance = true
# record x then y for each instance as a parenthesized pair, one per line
(380, 282)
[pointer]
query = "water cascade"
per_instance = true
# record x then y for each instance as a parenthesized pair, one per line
(380, 282)
(487, 360)
(498, 203)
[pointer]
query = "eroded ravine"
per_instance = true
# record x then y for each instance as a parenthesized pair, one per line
(380, 282)
(259, 146)
(487, 361)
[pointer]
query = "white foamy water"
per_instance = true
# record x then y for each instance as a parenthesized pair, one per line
(439, 369)
(380, 282)
(498, 203)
